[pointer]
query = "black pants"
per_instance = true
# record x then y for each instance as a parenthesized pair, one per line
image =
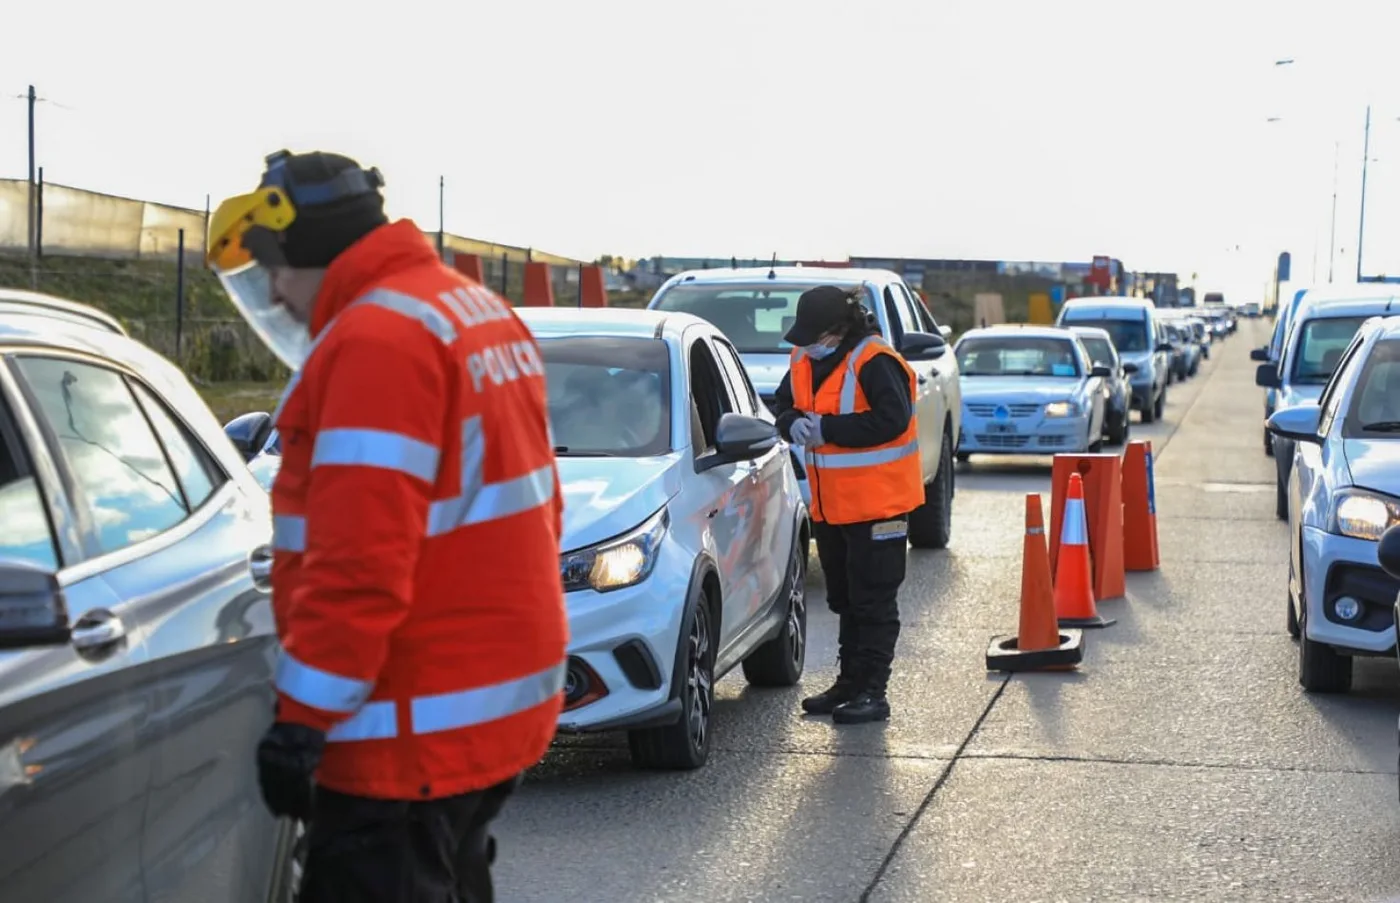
(388, 851)
(864, 567)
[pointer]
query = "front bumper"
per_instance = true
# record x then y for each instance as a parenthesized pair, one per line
(1032, 434)
(1340, 566)
(622, 649)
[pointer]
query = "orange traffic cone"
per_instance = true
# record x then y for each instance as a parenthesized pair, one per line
(1140, 551)
(1040, 644)
(1074, 591)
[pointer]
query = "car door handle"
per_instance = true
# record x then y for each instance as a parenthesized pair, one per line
(260, 566)
(97, 630)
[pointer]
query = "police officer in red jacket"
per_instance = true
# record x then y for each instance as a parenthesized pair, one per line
(417, 515)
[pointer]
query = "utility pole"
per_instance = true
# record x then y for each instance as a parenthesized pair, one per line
(1332, 242)
(33, 198)
(1365, 159)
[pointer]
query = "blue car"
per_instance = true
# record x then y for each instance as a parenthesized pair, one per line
(1029, 390)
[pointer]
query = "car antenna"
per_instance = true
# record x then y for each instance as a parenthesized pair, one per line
(773, 267)
(733, 263)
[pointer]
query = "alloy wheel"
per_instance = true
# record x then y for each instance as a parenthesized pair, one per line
(797, 610)
(699, 680)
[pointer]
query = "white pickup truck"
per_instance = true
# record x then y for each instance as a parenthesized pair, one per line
(754, 307)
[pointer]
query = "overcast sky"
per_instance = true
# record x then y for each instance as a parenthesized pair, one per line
(1024, 130)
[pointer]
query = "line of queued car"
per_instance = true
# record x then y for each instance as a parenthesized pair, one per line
(1332, 371)
(1072, 387)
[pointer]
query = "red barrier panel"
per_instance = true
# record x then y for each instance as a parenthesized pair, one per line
(539, 289)
(469, 265)
(595, 290)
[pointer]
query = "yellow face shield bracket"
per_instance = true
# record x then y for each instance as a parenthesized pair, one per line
(245, 228)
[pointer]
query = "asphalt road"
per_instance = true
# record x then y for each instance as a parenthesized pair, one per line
(1181, 761)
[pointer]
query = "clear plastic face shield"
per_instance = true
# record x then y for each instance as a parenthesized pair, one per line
(245, 252)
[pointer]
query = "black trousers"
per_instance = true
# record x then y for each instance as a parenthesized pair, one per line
(864, 565)
(362, 850)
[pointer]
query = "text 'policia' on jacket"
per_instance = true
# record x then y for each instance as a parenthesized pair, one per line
(417, 516)
(854, 485)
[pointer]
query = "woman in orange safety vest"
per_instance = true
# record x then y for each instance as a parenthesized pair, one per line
(848, 399)
(417, 515)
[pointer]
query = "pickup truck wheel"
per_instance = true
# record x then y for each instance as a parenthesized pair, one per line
(1161, 406)
(931, 524)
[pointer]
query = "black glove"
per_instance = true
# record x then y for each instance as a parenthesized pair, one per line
(287, 760)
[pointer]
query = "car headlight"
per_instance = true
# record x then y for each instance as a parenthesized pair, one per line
(1361, 514)
(620, 562)
(1061, 409)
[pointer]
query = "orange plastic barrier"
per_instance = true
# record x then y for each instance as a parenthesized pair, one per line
(1102, 476)
(595, 289)
(539, 289)
(469, 265)
(1039, 644)
(1074, 593)
(1140, 552)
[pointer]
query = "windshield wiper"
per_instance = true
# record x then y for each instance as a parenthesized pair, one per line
(1382, 426)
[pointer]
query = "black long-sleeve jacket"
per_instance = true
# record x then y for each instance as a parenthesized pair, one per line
(886, 388)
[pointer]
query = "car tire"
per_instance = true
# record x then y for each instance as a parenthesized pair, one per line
(1118, 431)
(1160, 406)
(685, 745)
(1268, 443)
(780, 661)
(931, 524)
(1280, 494)
(1321, 669)
(1293, 629)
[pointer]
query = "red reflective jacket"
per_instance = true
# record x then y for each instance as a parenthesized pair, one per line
(417, 516)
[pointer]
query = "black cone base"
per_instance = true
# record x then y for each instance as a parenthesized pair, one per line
(1004, 655)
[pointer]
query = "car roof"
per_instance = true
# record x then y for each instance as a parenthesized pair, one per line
(1096, 332)
(1349, 306)
(1020, 330)
(19, 302)
(615, 322)
(1388, 327)
(1108, 301)
(786, 276)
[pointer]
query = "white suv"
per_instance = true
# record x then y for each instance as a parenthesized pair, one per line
(754, 307)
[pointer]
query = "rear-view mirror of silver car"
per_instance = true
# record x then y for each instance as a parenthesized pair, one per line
(32, 608)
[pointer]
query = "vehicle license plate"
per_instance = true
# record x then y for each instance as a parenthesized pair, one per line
(1001, 428)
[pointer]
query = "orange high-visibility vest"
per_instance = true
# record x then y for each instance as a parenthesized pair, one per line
(417, 516)
(853, 485)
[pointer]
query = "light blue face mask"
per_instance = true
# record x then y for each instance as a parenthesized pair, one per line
(817, 352)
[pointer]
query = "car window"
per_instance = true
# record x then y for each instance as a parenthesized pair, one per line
(1375, 406)
(739, 385)
(198, 473)
(708, 394)
(608, 397)
(125, 481)
(28, 535)
(926, 320)
(1319, 346)
(755, 317)
(909, 317)
(1017, 356)
(898, 316)
(1128, 335)
(1100, 350)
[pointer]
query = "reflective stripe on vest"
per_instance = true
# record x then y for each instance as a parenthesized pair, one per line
(855, 457)
(379, 720)
(319, 689)
(376, 448)
(289, 533)
(480, 502)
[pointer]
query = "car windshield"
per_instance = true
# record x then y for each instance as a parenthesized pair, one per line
(608, 397)
(1128, 335)
(1320, 345)
(1375, 406)
(1100, 350)
(754, 317)
(1017, 356)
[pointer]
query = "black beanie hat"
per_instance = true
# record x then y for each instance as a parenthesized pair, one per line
(320, 233)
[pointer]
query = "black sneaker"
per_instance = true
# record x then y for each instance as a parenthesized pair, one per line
(824, 703)
(866, 706)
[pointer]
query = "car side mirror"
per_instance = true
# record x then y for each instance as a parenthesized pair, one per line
(1165, 347)
(249, 433)
(1130, 368)
(1101, 370)
(740, 437)
(33, 611)
(1259, 354)
(1297, 423)
(1388, 551)
(1266, 376)
(946, 331)
(922, 346)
